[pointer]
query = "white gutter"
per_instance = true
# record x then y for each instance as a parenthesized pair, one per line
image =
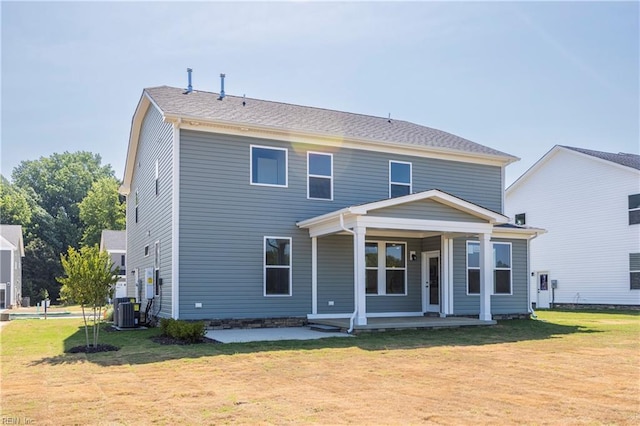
(355, 279)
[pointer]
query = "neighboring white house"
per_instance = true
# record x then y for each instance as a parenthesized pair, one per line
(11, 254)
(115, 243)
(589, 202)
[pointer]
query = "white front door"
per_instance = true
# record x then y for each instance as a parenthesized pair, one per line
(543, 290)
(431, 281)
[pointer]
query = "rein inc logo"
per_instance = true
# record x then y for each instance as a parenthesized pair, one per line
(17, 421)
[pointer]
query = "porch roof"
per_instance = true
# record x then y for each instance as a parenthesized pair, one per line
(361, 215)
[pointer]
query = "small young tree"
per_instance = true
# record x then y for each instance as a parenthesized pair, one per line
(90, 276)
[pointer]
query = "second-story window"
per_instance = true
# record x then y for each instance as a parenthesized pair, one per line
(157, 181)
(268, 166)
(634, 209)
(319, 176)
(136, 205)
(521, 219)
(399, 179)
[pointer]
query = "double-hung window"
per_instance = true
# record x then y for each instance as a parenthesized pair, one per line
(277, 266)
(634, 209)
(634, 271)
(386, 268)
(319, 176)
(501, 268)
(268, 166)
(399, 179)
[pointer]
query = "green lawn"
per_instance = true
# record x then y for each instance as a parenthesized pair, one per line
(575, 367)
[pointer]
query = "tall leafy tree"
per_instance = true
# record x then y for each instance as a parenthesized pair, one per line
(102, 208)
(89, 280)
(14, 206)
(54, 186)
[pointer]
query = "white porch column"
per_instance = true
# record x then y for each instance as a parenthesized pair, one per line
(486, 276)
(445, 277)
(359, 274)
(314, 275)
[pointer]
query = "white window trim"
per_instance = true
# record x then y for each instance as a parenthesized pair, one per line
(382, 268)
(157, 178)
(493, 288)
(309, 175)
(286, 166)
(136, 204)
(264, 267)
(632, 210)
(156, 266)
(410, 184)
(632, 271)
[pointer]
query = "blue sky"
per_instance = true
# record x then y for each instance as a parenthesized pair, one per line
(516, 76)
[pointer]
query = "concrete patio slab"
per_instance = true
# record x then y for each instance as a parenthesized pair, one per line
(243, 335)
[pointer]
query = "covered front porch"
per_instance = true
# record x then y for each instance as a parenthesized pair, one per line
(403, 323)
(421, 215)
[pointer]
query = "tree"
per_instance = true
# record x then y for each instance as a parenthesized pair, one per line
(102, 208)
(54, 187)
(14, 206)
(90, 277)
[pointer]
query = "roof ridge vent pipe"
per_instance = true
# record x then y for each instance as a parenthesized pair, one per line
(221, 87)
(189, 87)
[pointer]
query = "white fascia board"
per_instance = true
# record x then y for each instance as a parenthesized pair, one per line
(330, 140)
(322, 218)
(424, 225)
(538, 164)
(134, 138)
(518, 233)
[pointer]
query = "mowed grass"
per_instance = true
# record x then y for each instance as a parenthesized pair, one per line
(565, 368)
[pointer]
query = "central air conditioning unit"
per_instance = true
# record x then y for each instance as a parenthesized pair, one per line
(126, 315)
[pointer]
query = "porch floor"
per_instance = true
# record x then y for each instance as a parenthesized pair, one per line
(402, 323)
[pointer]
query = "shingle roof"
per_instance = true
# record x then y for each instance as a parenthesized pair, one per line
(13, 234)
(113, 240)
(206, 106)
(628, 160)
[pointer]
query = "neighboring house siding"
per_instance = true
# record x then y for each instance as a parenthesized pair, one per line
(5, 266)
(223, 219)
(583, 204)
(426, 209)
(464, 304)
(154, 211)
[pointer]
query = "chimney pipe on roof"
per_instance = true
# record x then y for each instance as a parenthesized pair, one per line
(221, 87)
(189, 87)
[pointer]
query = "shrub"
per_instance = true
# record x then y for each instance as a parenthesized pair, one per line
(186, 331)
(108, 314)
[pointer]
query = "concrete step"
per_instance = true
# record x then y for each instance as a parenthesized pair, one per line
(324, 328)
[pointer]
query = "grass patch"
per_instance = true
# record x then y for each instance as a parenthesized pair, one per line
(566, 367)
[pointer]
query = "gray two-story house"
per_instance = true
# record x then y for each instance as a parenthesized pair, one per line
(242, 208)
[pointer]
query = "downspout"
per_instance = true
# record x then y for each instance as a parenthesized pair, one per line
(355, 279)
(529, 307)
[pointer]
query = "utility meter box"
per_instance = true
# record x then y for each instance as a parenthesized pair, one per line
(554, 283)
(149, 288)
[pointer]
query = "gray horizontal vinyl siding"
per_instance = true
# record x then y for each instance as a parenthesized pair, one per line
(5, 266)
(431, 244)
(224, 219)
(154, 211)
(335, 274)
(426, 209)
(464, 304)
